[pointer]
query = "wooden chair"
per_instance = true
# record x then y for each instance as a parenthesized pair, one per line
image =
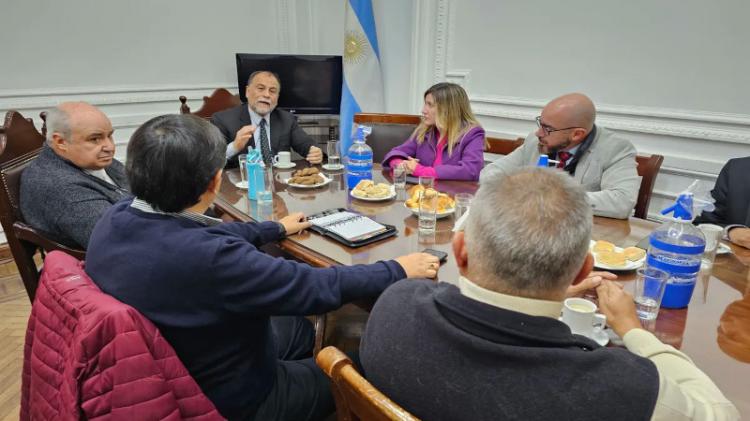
(356, 398)
(648, 169)
(388, 131)
(20, 143)
(503, 146)
(220, 100)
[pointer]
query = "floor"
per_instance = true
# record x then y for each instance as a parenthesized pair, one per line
(14, 313)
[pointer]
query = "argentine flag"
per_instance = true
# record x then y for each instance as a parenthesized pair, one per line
(363, 82)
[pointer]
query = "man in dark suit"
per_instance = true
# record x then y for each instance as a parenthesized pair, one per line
(263, 126)
(732, 195)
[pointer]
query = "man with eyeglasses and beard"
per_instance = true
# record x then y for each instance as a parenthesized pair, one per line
(602, 161)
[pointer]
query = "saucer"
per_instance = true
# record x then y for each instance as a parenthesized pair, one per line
(284, 166)
(334, 167)
(241, 185)
(601, 336)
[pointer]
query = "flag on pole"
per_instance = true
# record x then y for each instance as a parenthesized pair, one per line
(363, 82)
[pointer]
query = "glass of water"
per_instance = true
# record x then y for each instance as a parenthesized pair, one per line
(713, 235)
(463, 201)
(427, 182)
(264, 185)
(334, 155)
(243, 168)
(428, 201)
(649, 289)
(399, 176)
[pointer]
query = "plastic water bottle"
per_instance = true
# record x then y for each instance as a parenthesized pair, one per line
(359, 163)
(676, 248)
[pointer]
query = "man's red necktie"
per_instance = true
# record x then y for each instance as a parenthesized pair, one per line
(562, 157)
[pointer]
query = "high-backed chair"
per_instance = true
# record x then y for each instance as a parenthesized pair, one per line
(20, 143)
(388, 131)
(648, 168)
(356, 398)
(220, 100)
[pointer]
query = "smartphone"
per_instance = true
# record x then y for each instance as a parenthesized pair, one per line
(441, 255)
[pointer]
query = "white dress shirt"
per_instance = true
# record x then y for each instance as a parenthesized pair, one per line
(255, 120)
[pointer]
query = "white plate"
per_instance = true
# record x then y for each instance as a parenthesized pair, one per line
(629, 265)
(241, 185)
(600, 336)
(375, 199)
(326, 180)
(334, 167)
(284, 166)
(438, 215)
(723, 249)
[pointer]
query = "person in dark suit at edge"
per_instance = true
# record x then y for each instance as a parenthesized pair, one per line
(263, 126)
(732, 196)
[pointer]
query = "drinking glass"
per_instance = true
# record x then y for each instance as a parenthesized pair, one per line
(713, 235)
(399, 177)
(427, 211)
(264, 185)
(334, 155)
(649, 289)
(243, 168)
(463, 201)
(427, 182)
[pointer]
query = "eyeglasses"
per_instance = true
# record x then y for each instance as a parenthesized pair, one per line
(549, 129)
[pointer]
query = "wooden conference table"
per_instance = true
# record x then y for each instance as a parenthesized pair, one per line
(714, 330)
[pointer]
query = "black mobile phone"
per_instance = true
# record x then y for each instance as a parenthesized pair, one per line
(441, 255)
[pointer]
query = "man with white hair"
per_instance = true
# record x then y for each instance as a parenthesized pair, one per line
(491, 346)
(75, 178)
(599, 159)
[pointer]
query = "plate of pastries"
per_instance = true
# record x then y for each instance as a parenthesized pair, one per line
(610, 257)
(370, 191)
(445, 204)
(307, 178)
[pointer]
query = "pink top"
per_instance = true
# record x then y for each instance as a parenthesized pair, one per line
(423, 170)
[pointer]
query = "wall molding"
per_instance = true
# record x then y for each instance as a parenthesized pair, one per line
(28, 99)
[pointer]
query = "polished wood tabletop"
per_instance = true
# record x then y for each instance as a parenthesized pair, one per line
(714, 330)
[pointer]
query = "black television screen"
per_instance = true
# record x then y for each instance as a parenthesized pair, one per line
(309, 84)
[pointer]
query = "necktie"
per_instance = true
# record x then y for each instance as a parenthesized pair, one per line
(562, 157)
(265, 146)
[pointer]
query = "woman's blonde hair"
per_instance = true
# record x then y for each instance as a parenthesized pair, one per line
(454, 114)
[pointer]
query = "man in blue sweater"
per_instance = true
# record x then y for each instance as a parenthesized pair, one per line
(210, 290)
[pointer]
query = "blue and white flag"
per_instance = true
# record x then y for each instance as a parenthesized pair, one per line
(363, 82)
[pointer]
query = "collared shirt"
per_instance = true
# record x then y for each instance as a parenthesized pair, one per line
(255, 119)
(208, 221)
(685, 392)
(102, 175)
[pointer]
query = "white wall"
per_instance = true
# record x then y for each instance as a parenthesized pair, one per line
(671, 75)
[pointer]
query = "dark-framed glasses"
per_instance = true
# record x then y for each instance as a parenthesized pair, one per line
(549, 129)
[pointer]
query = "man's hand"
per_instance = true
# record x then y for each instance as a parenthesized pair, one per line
(314, 155)
(419, 265)
(592, 281)
(294, 223)
(619, 308)
(410, 165)
(241, 138)
(740, 236)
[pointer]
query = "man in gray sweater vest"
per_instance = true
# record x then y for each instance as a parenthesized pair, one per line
(75, 178)
(489, 346)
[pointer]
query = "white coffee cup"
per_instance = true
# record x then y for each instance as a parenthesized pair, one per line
(283, 159)
(581, 316)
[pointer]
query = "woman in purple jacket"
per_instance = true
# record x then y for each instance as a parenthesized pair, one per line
(448, 144)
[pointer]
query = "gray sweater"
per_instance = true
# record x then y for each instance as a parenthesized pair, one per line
(65, 202)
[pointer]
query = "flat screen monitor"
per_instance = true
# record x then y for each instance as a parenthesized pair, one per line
(310, 84)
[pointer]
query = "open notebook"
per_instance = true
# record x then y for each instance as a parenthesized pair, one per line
(350, 226)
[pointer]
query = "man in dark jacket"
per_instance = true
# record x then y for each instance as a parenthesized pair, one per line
(211, 291)
(76, 177)
(491, 347)
(732, 196)
(261, 125)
